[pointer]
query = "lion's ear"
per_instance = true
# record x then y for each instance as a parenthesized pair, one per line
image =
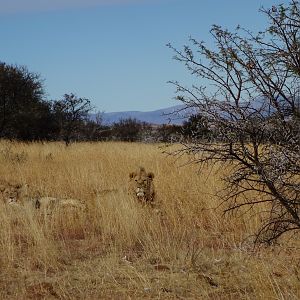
(132, 174)
(150, 175)
(2, 187)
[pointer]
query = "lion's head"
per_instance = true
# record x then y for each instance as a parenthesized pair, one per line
(141, 185)
(12, 193)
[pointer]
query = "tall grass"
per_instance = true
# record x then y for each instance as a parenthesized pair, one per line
(185, 248)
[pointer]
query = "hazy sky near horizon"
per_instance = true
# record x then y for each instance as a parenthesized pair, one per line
(114, 51)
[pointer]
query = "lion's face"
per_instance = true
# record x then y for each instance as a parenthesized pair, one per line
(12, 193)
(141, 185)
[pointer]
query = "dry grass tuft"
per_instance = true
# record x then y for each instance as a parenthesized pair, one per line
(118, 249)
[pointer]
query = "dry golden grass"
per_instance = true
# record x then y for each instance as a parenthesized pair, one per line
(121, 250)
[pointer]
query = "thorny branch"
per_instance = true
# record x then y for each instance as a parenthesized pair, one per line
(250, 101)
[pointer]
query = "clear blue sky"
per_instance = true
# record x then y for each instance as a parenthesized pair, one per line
(113, 51)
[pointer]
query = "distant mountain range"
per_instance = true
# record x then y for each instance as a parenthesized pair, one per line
(161, 116)
(177, 114)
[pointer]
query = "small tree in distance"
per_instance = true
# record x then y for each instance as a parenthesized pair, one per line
(195, 127)
(252, 104)
(70, 113)
(129, 130)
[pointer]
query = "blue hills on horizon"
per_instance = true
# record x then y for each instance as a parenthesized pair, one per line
(171, 115)
(176, 115)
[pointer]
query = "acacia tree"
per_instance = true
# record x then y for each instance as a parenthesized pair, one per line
(70, 114)
(249, 96)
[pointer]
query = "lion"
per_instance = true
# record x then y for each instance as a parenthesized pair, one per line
(13, 193)
(49, 204)
(141, 185)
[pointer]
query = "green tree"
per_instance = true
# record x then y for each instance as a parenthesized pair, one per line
(23, 111)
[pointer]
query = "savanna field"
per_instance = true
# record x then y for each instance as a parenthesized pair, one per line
(184, 248)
